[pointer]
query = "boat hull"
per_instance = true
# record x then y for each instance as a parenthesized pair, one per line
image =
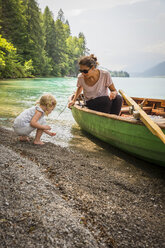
(133, 138)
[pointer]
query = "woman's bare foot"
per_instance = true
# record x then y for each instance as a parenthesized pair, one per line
(38, 142)
(24, 138)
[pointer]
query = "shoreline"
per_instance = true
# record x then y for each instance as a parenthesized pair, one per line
(88, 200)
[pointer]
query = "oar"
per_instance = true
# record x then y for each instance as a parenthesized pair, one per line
(151, 125)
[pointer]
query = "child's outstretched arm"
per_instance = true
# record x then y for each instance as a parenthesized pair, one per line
(34, 121)
(49, 133)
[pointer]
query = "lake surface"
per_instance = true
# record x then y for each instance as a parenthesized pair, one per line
(16, 95)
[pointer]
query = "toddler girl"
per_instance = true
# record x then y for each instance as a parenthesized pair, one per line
(33, 118)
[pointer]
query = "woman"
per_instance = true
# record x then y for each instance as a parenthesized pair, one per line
(96, 84)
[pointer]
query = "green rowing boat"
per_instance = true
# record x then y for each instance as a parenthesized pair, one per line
(124, 131)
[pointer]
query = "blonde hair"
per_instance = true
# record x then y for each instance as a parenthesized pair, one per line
(48, 101)
(89, 61)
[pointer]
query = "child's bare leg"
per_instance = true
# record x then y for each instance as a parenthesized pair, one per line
(24, 138)
(37, 140)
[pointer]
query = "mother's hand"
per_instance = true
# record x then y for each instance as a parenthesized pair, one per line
(71, 103)
(113, 95)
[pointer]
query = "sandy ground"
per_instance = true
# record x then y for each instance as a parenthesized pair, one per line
(54, 197)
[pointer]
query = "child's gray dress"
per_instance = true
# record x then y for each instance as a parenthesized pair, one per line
(22, 122)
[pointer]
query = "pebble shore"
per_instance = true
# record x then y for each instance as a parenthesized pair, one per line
(54, 197)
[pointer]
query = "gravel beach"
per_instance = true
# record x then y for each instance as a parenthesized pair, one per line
(55, 197)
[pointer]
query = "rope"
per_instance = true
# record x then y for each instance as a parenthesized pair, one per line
(62, 111)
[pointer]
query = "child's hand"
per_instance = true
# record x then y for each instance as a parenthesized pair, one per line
(52, 134)
(46, 127)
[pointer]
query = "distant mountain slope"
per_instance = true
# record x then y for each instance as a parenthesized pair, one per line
(156, 71)
(116, 73)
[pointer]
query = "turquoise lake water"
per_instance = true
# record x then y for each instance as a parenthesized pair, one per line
(16, 95)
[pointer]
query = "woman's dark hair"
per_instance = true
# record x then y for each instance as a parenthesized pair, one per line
(89, 61)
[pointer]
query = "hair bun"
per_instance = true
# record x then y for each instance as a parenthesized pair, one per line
(89, 60)
(92, 56)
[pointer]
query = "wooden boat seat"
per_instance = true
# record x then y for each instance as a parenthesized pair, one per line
(147, 109)
(158, 112)
(126, 109)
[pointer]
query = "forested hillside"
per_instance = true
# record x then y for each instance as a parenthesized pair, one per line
(36, 44)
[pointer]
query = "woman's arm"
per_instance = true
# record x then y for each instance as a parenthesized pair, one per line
(34, 121)
(113, 92)
(78, 92)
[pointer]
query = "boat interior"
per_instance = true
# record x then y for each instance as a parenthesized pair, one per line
(155, 108)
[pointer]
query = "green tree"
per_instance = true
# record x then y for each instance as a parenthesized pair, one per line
(60, 16)
(13, 23)
(119, 74)
(10, 66)
(35, 38)
(0, 16)
(82, 44)
(49, 30)
(41, 45)
(67, 29)
(50, 37)
(73, 54)
(76, 48)
(61, 60)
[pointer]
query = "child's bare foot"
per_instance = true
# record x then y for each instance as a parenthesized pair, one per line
(24, 138)
(38, 142)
